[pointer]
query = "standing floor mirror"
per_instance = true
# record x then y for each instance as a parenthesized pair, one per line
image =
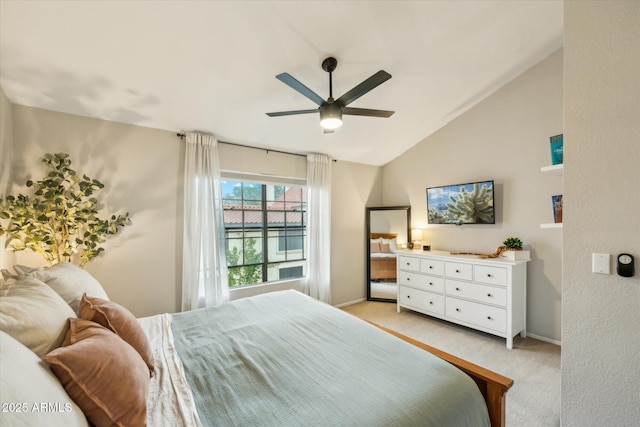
(388, 229)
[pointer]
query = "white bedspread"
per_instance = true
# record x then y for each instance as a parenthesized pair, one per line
(383, 255)
(170, 402)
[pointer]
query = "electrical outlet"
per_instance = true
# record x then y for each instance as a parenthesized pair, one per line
(600, 263)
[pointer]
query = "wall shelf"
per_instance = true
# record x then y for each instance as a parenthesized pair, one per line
(551, 225)
(552, 168)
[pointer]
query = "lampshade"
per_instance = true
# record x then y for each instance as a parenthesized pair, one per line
(330, 116)
(416, 234)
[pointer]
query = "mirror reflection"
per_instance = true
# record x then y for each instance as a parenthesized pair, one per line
(387, 231)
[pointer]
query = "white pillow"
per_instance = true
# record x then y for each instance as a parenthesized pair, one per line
(392, 244)
(7, 277)
(25, 381)
(68, 280)
(34, 314)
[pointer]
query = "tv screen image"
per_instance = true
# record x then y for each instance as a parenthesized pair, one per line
(470, 203)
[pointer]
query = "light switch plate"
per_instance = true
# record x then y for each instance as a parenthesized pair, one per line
(600, 263)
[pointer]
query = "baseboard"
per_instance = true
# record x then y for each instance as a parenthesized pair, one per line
(344, 304)
(545, 339)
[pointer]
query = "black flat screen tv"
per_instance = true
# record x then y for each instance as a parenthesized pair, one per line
(470, 203)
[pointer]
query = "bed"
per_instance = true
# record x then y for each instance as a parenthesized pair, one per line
(280, 358)
(382, 261)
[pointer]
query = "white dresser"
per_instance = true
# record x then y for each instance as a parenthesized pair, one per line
(489, 295)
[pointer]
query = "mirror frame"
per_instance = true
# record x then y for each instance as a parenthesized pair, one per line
(368, 245)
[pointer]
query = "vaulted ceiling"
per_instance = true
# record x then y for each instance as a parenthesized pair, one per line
(211, 65)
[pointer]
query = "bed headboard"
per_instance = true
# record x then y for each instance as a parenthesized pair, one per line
(384, 235)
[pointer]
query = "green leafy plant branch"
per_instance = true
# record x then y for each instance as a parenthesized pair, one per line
(61, 219)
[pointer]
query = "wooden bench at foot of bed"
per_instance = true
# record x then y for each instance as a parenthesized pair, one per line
(492, 385)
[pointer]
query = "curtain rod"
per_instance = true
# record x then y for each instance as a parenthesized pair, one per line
(183, 135)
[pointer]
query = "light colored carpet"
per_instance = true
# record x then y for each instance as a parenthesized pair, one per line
(534, 366)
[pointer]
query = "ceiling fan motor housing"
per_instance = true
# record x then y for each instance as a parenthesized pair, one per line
(329, 64)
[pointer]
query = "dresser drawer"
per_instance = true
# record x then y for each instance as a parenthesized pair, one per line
(458, 270)
(408, 263)
(422, 300)
(421, 281)
(476, 292)
(432, 266)
(490, 275)
(485, 316)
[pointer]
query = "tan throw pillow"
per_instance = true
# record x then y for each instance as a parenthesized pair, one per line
(115, 317)
(104, 375)
(384, 248)
(34, 314)
(393, 246)
(374, 247)
(68, 280)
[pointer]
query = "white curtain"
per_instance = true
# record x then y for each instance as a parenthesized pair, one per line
(204, 267)
(319, 227)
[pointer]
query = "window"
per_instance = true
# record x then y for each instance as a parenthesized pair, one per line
(265, 231)
(290, 272)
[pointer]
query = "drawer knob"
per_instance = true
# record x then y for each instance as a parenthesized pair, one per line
(431, 266)
(488, 274)
(408, 296)
(408, 279)
(457, 309)
(431, 302)
(489, 295)
(488, 317)
(457, 289)
(457, 271)
(430, 283)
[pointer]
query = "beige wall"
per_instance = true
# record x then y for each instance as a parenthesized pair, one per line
(601, 313)
(6, 141)
(142, 172)
(6, 158)
(505, 138)
(354, 187)
(140, 168)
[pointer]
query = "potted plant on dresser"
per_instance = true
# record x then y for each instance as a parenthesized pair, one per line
(513, 249)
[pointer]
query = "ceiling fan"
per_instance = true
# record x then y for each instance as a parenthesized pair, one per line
(331, 110)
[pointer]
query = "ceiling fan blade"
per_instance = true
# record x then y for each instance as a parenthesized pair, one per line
(291, 113)
(372, 82)
(290, 81)
(366, 112)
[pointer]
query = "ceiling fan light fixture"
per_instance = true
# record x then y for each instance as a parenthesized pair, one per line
(331, 123)
(330, 116)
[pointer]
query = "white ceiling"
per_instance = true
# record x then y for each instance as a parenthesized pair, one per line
(211, 65)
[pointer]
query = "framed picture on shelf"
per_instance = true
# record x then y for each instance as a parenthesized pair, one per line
(557, 208)
(557, 149)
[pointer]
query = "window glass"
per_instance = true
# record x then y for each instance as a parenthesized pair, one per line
(265, 231)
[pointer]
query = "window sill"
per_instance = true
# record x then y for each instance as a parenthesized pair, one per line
(263, 288)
